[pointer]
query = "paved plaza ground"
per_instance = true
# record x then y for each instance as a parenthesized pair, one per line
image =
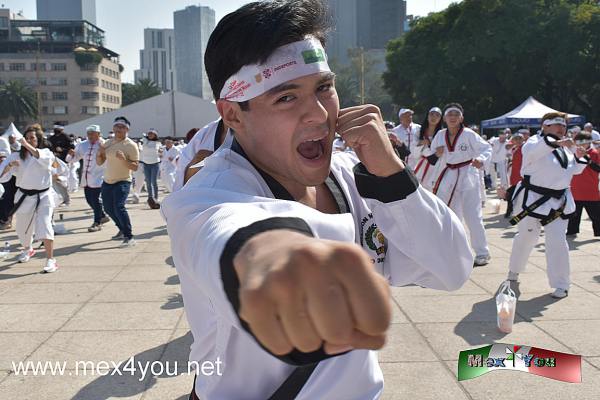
(107, 304)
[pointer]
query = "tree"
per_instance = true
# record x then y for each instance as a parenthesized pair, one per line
(17, 101)
(490, 55)
(143, 89)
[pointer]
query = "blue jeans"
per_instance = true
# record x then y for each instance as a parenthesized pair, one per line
(92, 196)
(114, 196)
(151, 174)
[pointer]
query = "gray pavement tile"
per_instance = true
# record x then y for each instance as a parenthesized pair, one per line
(419, 380)
(73, 387)
(78, 274)
(404, 343)
(116, 258)
(581, 336)
(136, 291)
(111, 346)
(588, 280)
(170, 387)
(449, 339)
(535, 281)
(15, 347)
(595, 361)
(579, 305)
(50, 293)
(160, 273)
(151, 259)
(34, 317)
(445, 308)
(468, 288)
(578, 264)
(501, 385)
(124, 316)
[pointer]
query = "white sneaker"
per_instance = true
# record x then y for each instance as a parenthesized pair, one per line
(136, 198)
(26, 255)
(128, 242)
(50, 265)
(513, 276)
(560, 293)
(482, 260)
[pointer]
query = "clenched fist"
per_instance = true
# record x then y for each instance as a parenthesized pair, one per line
(362, 128)
(298, 292)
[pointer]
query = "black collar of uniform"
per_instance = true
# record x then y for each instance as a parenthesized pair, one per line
(281, 193)
(561, 156)
(217, 142)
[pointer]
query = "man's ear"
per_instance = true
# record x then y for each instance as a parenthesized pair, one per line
(230, 113)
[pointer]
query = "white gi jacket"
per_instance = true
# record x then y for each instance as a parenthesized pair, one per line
(426, 172)
(410, 137)
(499, 150)
(92, 173)
(544, 166)
(204, 220)
(467, 146)
(166, 165)
(204, 139)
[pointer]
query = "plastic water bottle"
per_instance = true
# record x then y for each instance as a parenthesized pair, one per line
(5, 251)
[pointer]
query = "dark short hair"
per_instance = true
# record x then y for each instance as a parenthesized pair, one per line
(454, 105)
(251, 34)
(583, 136)
(123, 119)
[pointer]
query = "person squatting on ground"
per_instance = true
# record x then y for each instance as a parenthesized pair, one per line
(543, 199)
(285, 252)
(458, 183)
(34, 201)
(121, 156)
(92, 173)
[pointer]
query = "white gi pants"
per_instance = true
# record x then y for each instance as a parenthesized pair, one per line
(500, 167)
(167, 175)
(467, 206)
(139, 180)
(38, 223)
(557, 250)
(73, 182)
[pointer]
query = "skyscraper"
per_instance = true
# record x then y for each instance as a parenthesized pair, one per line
(193, 27)
(157, 59)
(369, 24)
(67, 10)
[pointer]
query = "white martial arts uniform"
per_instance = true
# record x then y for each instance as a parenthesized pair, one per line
(139, 178)
(92, 173)
(426, 172)
(33, 174)
(73, 181)
(545, 168)
(205, 139)
(459, 183)
(168, 166)
(410, 137)
(498, 169)
(229, 194)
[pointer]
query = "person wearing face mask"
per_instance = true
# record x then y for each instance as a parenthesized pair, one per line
(544, 199)
(425, 169)
(150, 158)
(285, 249)
(458, 184)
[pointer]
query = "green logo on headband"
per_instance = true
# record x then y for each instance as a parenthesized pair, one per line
(313, 56)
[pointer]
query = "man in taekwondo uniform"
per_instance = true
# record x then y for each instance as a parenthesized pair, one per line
(284, 251)
(543, 199)
(459, 183)
(499, 157)
(408, 133)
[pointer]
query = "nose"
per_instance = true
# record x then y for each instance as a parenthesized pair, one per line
(314, 111)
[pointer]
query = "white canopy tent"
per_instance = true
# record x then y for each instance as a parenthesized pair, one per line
(171, 114)
(528, 114)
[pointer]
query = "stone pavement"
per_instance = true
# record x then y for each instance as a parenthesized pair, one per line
(107, 304)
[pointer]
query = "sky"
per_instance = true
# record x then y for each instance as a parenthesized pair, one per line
(124, 20)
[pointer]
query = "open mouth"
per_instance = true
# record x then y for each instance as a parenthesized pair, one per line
(312, 149)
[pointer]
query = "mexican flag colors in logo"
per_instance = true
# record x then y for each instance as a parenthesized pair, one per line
(501, 356)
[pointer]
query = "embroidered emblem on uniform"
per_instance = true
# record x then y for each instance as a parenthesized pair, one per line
(463, 147)
(373, 238)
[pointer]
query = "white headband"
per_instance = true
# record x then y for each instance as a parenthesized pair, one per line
(450, 109)
(287, 63)
(555, 121)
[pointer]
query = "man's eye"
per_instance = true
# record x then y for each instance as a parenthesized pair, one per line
(285, 99)
(325, 87)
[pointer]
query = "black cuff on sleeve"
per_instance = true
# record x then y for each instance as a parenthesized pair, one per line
(433, 159)
(551, 143)
(595, 166)
(231, 283)
(392, 188)
(583, 160)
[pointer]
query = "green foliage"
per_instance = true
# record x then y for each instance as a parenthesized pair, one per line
(145, 88)
(490, 55)
(349, 78)
(83, 58)
(17, 101)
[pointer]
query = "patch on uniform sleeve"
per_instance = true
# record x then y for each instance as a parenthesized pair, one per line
(372, 240)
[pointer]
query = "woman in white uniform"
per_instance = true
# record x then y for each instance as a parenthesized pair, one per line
(427, 168)
(34, 201)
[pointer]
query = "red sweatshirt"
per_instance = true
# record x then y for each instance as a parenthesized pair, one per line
(517, 161)
(585, 185)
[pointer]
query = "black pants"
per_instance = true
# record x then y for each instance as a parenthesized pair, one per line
(92, 196)
(593, 210)
(8, 200)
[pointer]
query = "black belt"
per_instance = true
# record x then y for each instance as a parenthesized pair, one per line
(26, 193)
(546, 194)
